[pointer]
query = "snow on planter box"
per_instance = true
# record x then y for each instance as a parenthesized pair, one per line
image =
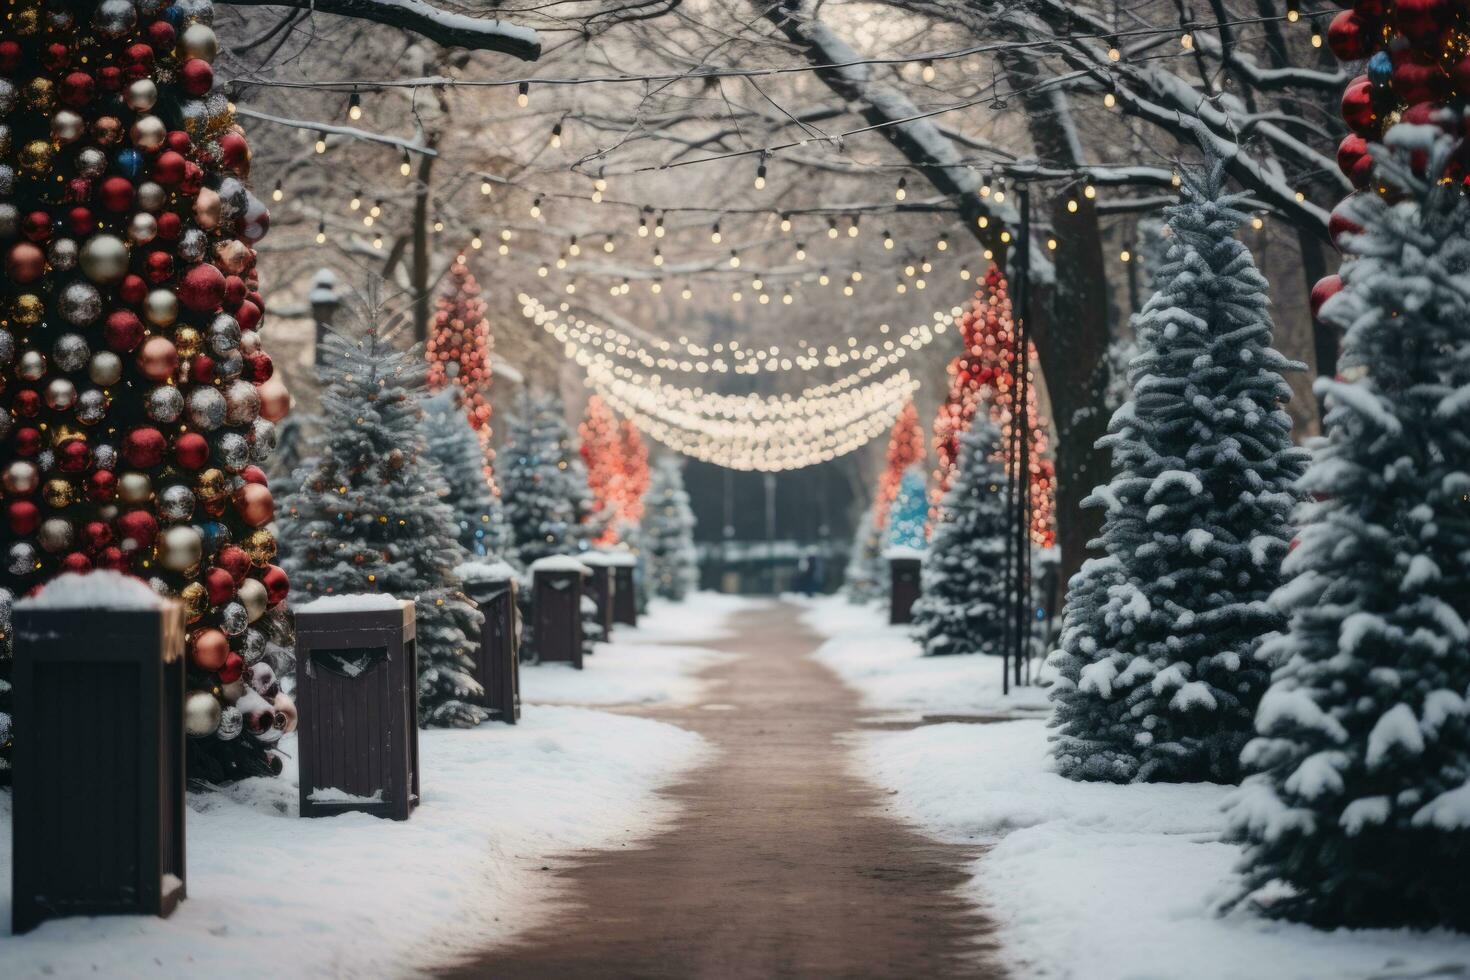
(556, 605)
(602, 587)
(356, 679)
(98, 786)
(492, 586)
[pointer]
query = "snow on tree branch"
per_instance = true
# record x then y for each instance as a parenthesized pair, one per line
(440, 26)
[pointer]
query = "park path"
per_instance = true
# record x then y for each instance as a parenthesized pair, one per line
(780, 863)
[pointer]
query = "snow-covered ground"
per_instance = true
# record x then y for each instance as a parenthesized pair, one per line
(1103, 882)
(885, 665)
(271, 894)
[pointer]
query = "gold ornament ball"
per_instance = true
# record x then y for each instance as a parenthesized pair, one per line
(188, 341)
(59, 494)
(210, 485)
(260, 545)
(29, 309)
(199, 42)
(196, 600)
(40, 93)
(36, 156)
(26, 22)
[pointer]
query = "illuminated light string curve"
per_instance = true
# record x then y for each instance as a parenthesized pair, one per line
(603, 343)
(760, 453)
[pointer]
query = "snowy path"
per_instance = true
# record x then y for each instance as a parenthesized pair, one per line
(780, 862)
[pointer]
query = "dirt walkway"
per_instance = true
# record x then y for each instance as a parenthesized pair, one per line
(780, 865)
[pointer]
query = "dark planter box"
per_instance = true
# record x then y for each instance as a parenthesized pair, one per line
(356, 691)
(497, 658)
(602, 589)
(556, 604)
(625, 594)
(98, 762)
(904, 589)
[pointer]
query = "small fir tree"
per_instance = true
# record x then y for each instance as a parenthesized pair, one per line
(860, 581)
(540, 491)
(368, 516)
(1358, 811)
(455, 449)
(909, 515)
(1198, 517)
(668, 533)
(965, 600)
(905, 448)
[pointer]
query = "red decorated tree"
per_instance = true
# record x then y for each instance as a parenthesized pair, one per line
(986, 374)
(636, 473)
(459, 352)
(138, 403)
(905, 448)
(602, 451)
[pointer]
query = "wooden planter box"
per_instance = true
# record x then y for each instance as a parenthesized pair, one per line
(497, 658)
(556, 604)
(602, 589)
(904, 589)
(625, 591)
(356, 690)
(98, 762)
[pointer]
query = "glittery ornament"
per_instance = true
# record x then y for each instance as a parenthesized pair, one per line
(21, 559)
(232, 451)
(61, 394)
(233, 619)
(242, 403)
(196, 601)
(206, 408)
(231, 724)
(91, 407)
(31, 366)
(80, 304)
(114, 18)
(176, 503)
(164, 403)
(260, 545)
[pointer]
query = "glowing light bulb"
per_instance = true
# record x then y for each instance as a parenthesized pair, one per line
(278, 193)
(485, 188)
(321, 142)
(734, 260)
(760, 177)
(714, 233)
(927, 72)
(556, 136)
(476, 242)
(887, 241)
(405, 167)
(1089, 192)
(523, 94)
(354, 107)
(1125, 255)
(321, 233)
(902, 191)
(1109, 100)
(536, 208)
(1051, 244)
(1187, 41)
(1114, 54)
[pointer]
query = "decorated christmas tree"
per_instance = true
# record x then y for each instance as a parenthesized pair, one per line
(369, 515)
(965, 599)
(637, 477)
(455, 449)
(668, 533)
(458, 352)
(138, 404)
(909, 515)
(1358, 811)
(905, 448)
(602, 453)
(1197, 519)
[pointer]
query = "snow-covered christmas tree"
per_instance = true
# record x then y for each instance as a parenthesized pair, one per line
(455, 449)
(540, 488)
(368, 515)
(1198, 516)
(860, 580)
(965, 601)
(1358, 813)
(909, 514)
(668, 533)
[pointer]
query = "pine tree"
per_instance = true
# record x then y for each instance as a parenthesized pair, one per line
(1198, 517)
(1358, 811)
(965, 600)
(368, 516)
(909, 515)
(539, 490)
(860, 581)
(668, 533)
(455, 450)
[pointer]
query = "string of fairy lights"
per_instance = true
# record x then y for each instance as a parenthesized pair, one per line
(633, 373)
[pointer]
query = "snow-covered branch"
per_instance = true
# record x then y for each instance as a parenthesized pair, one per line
(440, 26)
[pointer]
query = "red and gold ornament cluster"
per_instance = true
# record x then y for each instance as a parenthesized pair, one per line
(986, 371)
(138, 402)
(458, 351)
(905, 448)
(1416, 69)
(617, 469)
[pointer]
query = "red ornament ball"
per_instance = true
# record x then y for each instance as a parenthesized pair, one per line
(26, 262)
(196, 77)
(1326, 288)
(220, 585)
(36, 226)
(77, 563)
(233, 560)
(77, 89)
(1357, 107)
(233, 668)
(82, 221)
(1349, 36)
(202, 288)
(132, 290)
(122, 331)
(10, 54)
(74, 456)
(277, 585)
(96, 535)
(23, 516)
(168, 169)
(191, 450)
(116, 194)
(136, 529)
(208, 649)
(158, 267)
(143, 448)
(102, 485)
